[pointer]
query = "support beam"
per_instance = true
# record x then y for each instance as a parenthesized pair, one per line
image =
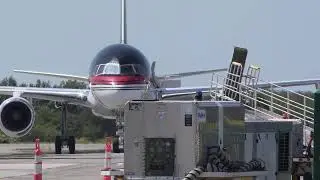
(316, 141)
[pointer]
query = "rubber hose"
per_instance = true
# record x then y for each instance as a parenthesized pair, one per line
(218, 161)
(193, 174)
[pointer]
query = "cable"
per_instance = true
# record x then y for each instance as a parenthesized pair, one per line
(217, 161)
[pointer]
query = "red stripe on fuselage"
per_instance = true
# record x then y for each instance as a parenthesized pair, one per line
(117, 80)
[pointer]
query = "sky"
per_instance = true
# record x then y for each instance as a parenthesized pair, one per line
(181, 35)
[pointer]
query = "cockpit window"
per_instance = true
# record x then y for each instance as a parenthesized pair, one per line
(116, 69)
(112, 68)
(139, 69)
(127, 69)
(100, 69)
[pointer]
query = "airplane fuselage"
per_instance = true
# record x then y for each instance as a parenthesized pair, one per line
(106, 99)
(118, 73)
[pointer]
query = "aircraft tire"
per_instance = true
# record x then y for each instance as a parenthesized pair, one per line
(57, 145)
(115, 145)
(72, 145)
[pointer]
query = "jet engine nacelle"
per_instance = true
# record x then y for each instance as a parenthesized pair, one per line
(17, 116)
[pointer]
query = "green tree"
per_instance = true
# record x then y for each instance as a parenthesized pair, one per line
(8, 81)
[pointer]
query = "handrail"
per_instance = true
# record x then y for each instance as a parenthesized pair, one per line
(227, 98)
(284, 98)
(285, 89)
(286, 108)
(287, 101)
(290, 112)
(256, 109)
(284, 104)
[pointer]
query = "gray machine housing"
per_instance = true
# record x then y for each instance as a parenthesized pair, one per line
(276, 142)
(170, 138)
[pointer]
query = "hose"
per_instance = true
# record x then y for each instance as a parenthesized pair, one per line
(193, 174)
(217, 161)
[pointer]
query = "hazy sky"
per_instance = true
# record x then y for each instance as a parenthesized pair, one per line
(182, 35)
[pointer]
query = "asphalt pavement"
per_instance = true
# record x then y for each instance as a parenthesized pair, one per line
(17, 162)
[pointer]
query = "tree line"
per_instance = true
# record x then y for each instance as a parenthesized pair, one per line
(81, 123)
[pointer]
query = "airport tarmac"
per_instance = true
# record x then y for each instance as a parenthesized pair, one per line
(16, 162)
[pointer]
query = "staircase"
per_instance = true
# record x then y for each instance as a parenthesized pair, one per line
(274, 102)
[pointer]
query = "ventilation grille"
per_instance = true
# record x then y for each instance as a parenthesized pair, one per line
(283, 157)
(159, 156)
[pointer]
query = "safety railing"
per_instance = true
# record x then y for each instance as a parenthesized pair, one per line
(267, 101)
(287, 101)
(218, 94)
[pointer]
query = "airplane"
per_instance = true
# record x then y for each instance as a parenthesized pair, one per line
(118, 73)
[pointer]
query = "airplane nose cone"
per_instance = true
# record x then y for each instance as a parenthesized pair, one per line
(116, 97)
(109, 98)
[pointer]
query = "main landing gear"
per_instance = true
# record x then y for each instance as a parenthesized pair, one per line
(118, 140)
(63, 139)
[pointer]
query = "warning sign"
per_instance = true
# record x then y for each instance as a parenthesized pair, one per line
(201, 115)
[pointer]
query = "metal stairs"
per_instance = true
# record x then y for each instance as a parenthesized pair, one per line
(274, 102)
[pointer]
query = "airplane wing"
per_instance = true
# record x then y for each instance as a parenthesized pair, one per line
(290, 83)
(185, 91)
(192, 73)
(65, 76)
(168, 92)
(181, 91)
(86, 79)
(71, 96)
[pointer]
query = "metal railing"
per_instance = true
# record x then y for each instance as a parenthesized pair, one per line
(284, 103)
(267, 101)
(218, 95)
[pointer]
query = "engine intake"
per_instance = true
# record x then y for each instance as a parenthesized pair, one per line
(17, 117)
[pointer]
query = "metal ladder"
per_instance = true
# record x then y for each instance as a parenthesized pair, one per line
(250, 80)
(231, 83)
(252, 76)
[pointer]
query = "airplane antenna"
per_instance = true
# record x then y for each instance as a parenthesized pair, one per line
(123, 22)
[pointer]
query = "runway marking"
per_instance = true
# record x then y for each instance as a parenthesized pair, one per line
(15, 166)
